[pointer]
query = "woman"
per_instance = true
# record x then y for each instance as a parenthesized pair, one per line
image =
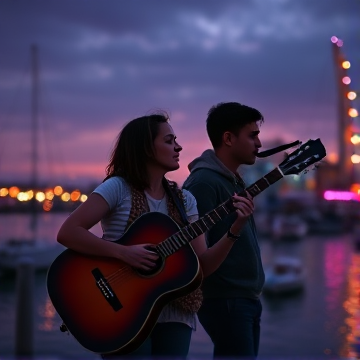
(145, 151)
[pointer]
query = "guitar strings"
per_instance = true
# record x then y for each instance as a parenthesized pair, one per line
(116, 273)
(121, 275)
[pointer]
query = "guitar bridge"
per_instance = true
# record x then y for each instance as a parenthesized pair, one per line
(106, 290)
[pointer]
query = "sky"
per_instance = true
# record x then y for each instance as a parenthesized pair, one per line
(103, 63)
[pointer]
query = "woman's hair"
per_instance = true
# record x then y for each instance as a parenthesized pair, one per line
(230, 116)
(134, 148)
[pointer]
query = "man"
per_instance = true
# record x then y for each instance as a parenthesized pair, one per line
(231, 309)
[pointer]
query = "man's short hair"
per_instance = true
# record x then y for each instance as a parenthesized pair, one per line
(229, 116)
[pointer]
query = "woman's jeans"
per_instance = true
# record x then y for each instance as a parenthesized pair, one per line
(167, 340)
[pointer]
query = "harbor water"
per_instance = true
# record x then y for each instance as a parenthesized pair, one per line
(322, 321)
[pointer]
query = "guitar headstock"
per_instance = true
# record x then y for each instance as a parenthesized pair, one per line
(307, 154)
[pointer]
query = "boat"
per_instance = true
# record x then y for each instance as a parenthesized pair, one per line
(288, 227)
(284, 276)
(40, 252)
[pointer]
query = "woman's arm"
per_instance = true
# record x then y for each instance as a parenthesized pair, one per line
(75, 234)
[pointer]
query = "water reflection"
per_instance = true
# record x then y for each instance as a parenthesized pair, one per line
(335, 267)
(351, 347)
(47, 314)
(335, 273)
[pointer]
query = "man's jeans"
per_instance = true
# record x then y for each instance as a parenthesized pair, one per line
(233, 326)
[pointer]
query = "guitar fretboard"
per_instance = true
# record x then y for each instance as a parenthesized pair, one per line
(198, 227)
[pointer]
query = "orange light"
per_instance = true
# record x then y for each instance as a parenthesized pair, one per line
(351, 95)
(353, 112)
(47, 205)
(346, 64)
(49, 194)
(75, 195)
(333, 158)
(65, 197)
(58, 190)
(13, 191)
(30, 194)
(4, 192)
(355, 188)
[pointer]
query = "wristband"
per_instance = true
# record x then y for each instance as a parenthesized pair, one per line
(232, 236)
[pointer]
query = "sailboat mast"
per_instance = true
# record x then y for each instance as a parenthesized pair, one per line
(34, 115)
(34, 132)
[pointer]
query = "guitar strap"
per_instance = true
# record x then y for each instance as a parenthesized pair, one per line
(179, 204)
(191, 302)
(277, 149)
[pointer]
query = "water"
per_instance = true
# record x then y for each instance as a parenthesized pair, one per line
(321, 322)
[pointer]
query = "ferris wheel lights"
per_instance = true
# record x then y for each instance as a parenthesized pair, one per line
(346, 80)
(355, 159)
(337, 41)
(351, 95)
(355, 139)
(353, 113)
(346, 64)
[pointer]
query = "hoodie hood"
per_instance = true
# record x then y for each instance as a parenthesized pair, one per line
(208, 160)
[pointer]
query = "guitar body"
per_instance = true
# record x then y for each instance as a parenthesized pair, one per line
(109, 307)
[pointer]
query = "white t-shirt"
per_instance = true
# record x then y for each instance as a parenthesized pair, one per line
(117, 193)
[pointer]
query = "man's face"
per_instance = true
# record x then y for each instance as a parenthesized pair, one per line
(246, 144)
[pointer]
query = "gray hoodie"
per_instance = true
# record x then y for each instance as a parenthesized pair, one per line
(241, 274)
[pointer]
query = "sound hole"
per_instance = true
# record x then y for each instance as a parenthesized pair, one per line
(159, 264)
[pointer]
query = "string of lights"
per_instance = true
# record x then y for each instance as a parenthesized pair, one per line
(350, 95)
(45, 197)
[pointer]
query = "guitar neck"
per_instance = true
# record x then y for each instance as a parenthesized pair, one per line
(263, 183)
(200, 226)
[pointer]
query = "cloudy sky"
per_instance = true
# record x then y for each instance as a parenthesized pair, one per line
(103, 63)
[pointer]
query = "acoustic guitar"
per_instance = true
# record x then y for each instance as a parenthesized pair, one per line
(111, 308)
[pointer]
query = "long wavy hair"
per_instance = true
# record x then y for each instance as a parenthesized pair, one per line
(134, 148)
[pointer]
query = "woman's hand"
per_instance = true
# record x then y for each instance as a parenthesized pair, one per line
(138, 256)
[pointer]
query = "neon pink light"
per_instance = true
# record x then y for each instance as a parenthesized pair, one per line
(346, 80)
(341, 195)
